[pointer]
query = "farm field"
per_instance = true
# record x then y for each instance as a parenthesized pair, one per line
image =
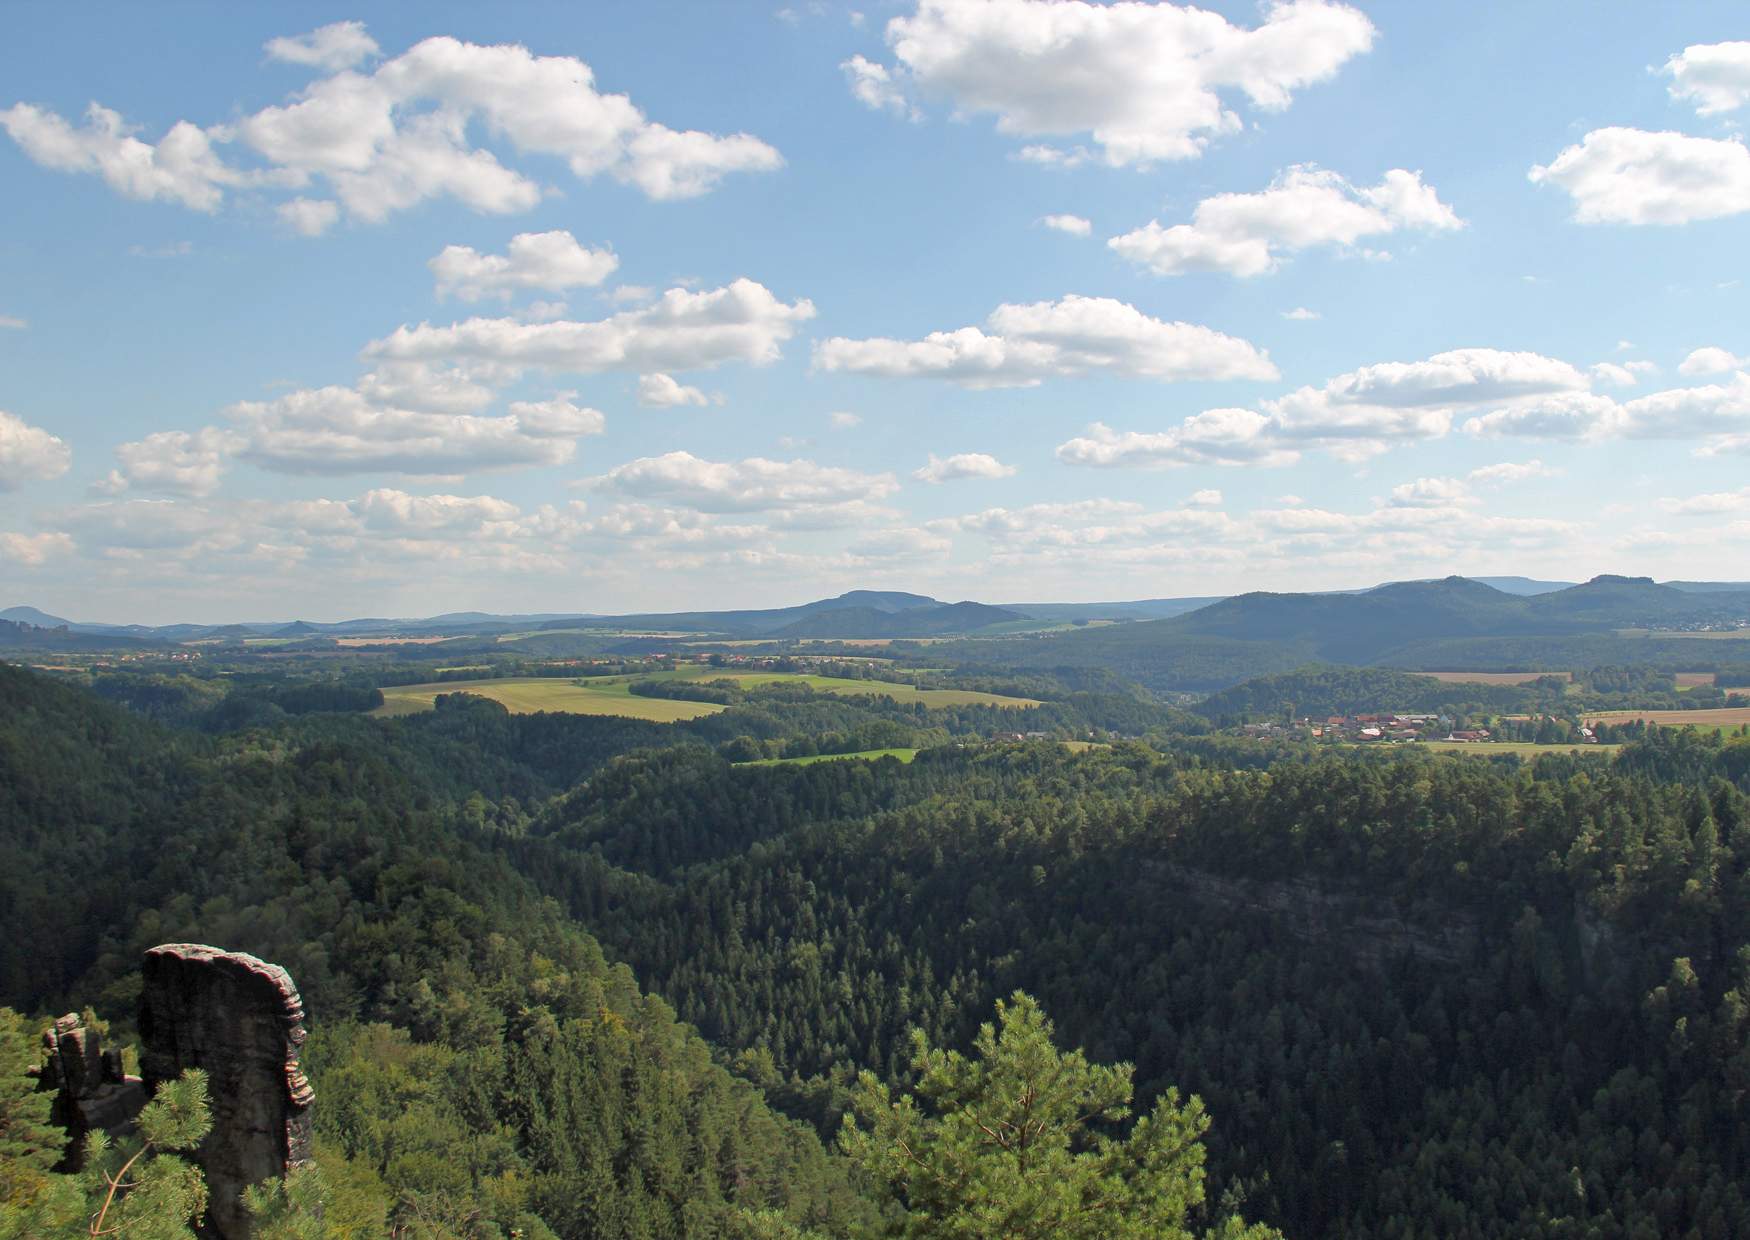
(1492, 678)
(867, 755)
(1524, 748)
(1724, 717)
(1694, 680)
(528, 695)
(905, 695)
(611, 695)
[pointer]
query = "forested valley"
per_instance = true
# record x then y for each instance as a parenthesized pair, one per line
(586, 976)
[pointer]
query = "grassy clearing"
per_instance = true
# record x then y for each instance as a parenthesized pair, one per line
(529, 695)
(1524, 748)
(1724, 717)
(1492, 678)
(905, 695)
(1694, 680)
(867, 755)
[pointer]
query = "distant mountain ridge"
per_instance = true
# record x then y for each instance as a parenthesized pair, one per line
(1330, 625)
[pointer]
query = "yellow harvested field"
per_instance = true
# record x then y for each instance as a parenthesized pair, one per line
(1692, 680)
(1492, 678)
(1725, 717)
(903, 694)
(529, 695)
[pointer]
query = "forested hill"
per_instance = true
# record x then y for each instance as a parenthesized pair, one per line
(482, 1068)
(1422, 996)
(1404, 624)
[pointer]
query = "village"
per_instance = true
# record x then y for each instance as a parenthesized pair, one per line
(1386, 728)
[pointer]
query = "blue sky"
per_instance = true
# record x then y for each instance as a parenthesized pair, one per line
(389, 310)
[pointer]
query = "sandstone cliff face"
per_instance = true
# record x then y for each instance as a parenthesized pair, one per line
(1372, 936)
(242, 1021)
(91, 1091)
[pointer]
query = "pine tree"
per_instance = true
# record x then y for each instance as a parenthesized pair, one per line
(1021, 1141)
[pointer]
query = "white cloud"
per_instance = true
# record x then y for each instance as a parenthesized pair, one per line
(1610, 372)
(1510, 471)
(174, 461)
(1630, 176)
(29, 453)
(1144, 81)
(900, 543)
(1073, 336)
(1711, 360)
(1431, 493)
(550, 261)
(1247, 234)
(1714, 504)
(845, 421)
(337, 430)
(309, 217)
(1354, 416)
(1300, 314)
(13, 323)
(1713, 76)
(34, 550)
(1074, 225)
(1213, 437)
(1560, 415)
(182, 167)
(660, 391)
(742, 322)
(1710, 410)
(338, 46)
(752, 485)
(874, 86)
(403, 133)
(1204, 499)
(433, 516)
(962, 465)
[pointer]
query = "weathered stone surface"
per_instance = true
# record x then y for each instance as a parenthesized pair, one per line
(91, 1091)
(242, 1021)
(1372, 936)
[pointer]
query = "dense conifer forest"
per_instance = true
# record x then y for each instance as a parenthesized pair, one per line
(588, 977)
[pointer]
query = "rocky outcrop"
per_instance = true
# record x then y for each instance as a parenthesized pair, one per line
(241, 1020)
(91, 1090)
(1373, 937)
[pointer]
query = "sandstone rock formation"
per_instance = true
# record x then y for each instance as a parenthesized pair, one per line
(91, 1091)
(242, 1021)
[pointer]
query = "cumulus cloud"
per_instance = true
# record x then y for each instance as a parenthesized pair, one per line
(1460, 492)
(29, 453)
(550, 261)
(1074, 225)
(1144, 82)
(1213, 437)
(682, 330)
(338, 46)
(177, 462)
(843, 421)
(181, 167)
(875, 86)
(308, 217)
(1711, 360)
(1354, 416)
(1204, 499)
(1711, 504)
(962, 465)
(33, 550)
(1027, 344)
(1561, 415)
(1247, 234)
(1630, 176)
(660, 391)
(1610, 372)
(338, 430)
(1300, 314)
(405, 132)
(1715, 77)
(755, 484)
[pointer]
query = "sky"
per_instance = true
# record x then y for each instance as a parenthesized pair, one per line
(321, 311)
